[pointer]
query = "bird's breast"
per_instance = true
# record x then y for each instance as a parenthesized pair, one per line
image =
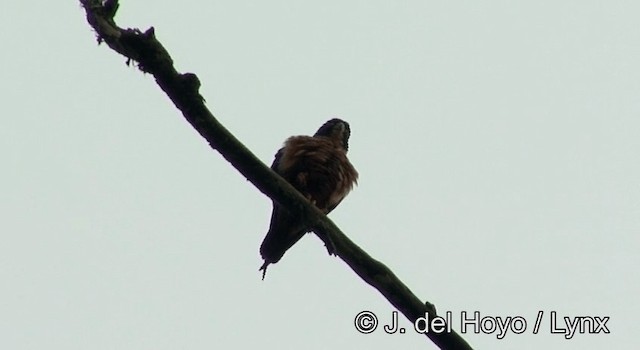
(318, 168)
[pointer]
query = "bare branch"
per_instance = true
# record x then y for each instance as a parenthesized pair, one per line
(151, 57)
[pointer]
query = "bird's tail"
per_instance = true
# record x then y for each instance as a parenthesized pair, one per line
(284, 232)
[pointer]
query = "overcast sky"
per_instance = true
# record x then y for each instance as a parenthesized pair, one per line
(496, 141)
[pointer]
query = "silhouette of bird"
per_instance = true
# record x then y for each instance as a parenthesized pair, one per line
(317, 166)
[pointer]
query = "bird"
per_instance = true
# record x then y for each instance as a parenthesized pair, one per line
(318, 167)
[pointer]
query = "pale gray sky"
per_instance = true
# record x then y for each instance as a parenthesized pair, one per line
(497, 145)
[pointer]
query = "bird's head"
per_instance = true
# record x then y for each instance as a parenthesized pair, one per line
(336, 129)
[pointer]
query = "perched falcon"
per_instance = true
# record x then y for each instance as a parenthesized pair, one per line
(318, 167)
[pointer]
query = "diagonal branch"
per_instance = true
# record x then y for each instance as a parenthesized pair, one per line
(151, 57)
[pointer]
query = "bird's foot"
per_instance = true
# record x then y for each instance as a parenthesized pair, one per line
(328, 243)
